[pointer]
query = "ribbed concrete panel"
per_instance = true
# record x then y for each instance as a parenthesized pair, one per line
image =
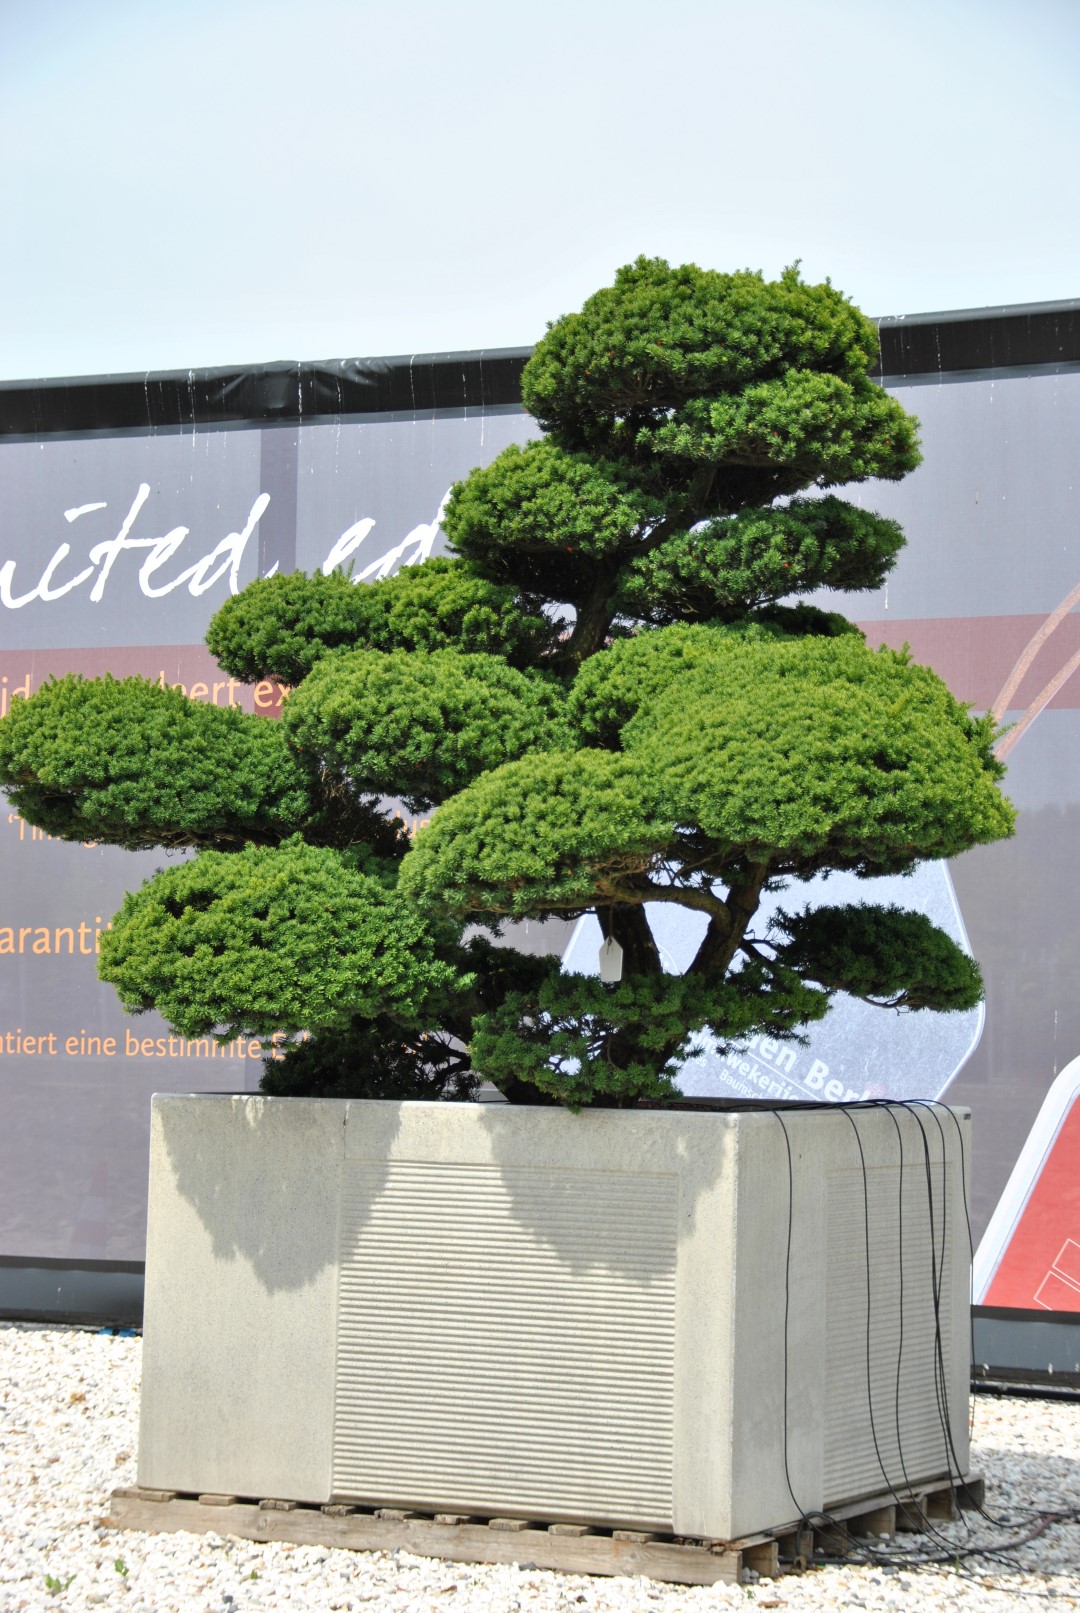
(536, 1311)
(889, 1340)
(618, 1317)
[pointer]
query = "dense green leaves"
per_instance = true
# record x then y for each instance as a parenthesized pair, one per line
(821, 753)
(887, 955)
(419, 727)
(542, 834)
(795, 755)
(633, 673)
(583, 1042)
(282, 626)
(288, 938)
(137, 765)
(764, 385)
(661, 336)
(372, 1058)
(729, 566)
(543, 519)
(800, 430)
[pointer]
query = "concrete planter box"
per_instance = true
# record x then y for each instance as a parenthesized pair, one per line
(491, 1310)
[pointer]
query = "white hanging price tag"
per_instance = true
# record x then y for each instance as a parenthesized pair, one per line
(610, 961)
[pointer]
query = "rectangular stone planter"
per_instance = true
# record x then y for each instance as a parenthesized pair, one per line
(624, 1318)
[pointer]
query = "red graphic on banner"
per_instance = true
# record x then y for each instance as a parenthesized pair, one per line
(1038, 1271)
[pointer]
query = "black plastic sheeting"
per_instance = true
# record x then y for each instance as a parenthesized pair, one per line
(263, 393)
(1022, 336)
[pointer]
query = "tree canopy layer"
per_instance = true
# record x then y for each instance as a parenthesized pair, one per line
(134, 765)
(291, 939)
(614, 694)
(281, 626)
(419, 726)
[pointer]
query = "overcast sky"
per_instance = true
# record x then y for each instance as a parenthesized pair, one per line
(234, 181)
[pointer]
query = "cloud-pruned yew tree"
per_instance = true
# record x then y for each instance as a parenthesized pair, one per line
(609, 696)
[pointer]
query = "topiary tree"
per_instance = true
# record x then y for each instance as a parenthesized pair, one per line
(610, 699)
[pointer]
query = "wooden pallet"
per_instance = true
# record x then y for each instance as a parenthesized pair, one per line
(569, 1548)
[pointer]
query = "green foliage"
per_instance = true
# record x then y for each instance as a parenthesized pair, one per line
(661, 336)
(286, 938)
(765, 383)
(616, 694)
(800, 430)
(729, 566)
(543, 519)
(136, 765)
(821, 753)
(539, 835)
(794, 621)
(373, 1058)
(282, 626)
(585, 1042)
(633, 673)
(886, 955)
(796, 755)
(419, 726)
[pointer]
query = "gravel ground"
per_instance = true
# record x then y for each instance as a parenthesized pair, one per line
(68, 1431)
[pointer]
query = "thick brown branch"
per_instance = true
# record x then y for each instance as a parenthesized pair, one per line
(593, 617)
(629, 926)
(724, 935)
(702, 901)
(713, 946)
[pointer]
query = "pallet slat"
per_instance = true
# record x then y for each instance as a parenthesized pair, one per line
(309, 1526)
(566, 1547)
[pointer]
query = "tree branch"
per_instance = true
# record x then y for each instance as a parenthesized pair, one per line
(702, 901)
(722, 941)
(593, 617)
(629, 926)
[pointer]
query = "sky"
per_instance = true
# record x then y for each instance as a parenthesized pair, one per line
(215, 182)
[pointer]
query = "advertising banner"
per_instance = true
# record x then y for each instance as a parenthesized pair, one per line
(115, 550)
(130, 510)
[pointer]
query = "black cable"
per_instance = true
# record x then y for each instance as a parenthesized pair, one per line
(900, 1296)
(787, 1310)
(933, 1106)
(936, 1281)
(866, 1239)
(953, 1465)
(1047, 1520)
(805, 1517)
(950, 1554)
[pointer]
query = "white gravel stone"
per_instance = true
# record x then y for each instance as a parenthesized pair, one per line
(68, 1433)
